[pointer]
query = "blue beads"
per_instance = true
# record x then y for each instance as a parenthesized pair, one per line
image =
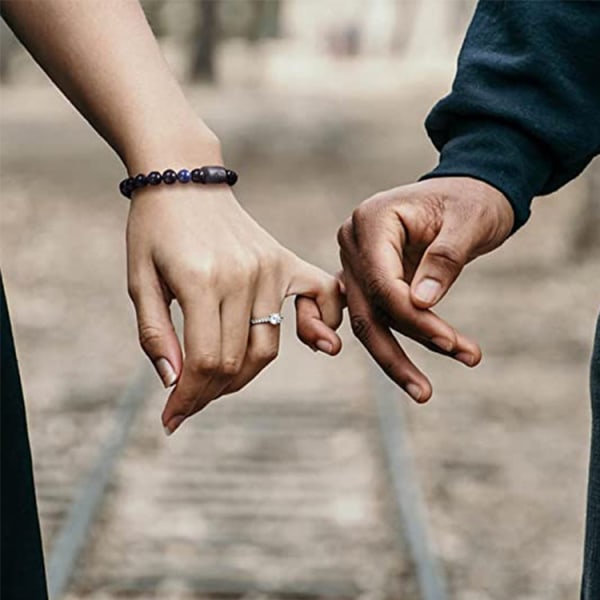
(184, 176)
(154, 178)
(210, 175)
(169, 176)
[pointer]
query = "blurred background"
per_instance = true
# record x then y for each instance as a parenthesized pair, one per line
(282, 490)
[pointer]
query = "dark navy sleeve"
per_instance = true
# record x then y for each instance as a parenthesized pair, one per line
(524, 111)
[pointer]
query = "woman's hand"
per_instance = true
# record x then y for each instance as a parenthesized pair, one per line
(185, 242)
(197, 245)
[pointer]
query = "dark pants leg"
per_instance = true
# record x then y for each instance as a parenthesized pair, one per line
(22, 574)
(591, 569)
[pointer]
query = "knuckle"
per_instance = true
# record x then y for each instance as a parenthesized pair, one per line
(270, 354)
(448, 255)
(268, 258)
(374, 204)
(185, 405)
(377, 288)
(371, 215)
(231, 366)
(265, 355)
(360, 213)
(236, 277)
(363, 214)
(344, 235)
(240, 274)
(205, 364)
(253, 266)
(247, 265)
(269, 265)
(150, 336)
(361, 327)
(397, 373)
(326, 285)
(373, 200)
(205, 275)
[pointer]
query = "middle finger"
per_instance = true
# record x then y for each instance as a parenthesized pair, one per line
(202, 362)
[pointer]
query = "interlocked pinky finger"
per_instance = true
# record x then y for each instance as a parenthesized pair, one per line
(311, 282)
(311, 329)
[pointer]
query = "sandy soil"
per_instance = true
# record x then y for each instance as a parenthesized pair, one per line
(501, 451)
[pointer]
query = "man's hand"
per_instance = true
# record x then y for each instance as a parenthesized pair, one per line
(401, 251)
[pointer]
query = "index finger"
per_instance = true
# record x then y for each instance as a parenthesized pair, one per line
(379, 239)
(378, 270)
(424, 326)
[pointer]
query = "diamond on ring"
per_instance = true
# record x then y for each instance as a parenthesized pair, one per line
(272, 319)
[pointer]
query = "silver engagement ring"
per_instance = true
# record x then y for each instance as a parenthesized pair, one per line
(272, 319)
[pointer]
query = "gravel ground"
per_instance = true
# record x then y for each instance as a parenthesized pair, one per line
(501, 451)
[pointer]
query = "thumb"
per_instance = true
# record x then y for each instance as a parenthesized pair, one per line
(156, 332)
(441, 264)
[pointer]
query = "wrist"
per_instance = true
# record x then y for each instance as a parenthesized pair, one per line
(498, 204)
(497, 216)
(498, 212)
(194, 146)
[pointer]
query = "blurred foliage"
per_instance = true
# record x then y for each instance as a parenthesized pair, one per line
(233, 18)
(202, 24)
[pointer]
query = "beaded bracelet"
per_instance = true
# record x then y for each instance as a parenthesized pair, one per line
(204, 175)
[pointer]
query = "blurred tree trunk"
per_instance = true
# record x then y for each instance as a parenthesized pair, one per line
(153, 11)
(264, 20)
(586, 237)
(205, 41)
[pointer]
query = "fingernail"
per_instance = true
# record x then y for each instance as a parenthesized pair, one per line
(428, 291)
(166, 372)
(467, 358)
(173, 424)
(325, 346)
(443, 344)
(414, 391)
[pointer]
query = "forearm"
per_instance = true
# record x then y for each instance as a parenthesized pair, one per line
(523, 112)
(105, 59)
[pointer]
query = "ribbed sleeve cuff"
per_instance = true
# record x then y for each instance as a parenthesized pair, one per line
(495, 153)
